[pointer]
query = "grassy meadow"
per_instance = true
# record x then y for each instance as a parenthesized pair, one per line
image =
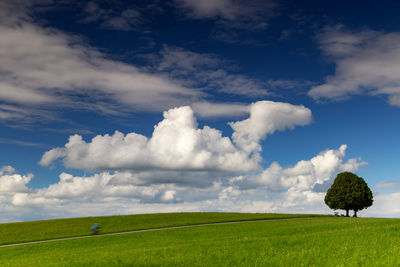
(319, 241)
(50, 229)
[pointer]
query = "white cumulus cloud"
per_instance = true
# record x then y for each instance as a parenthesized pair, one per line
(275, 189)
(305, 175)
(178, 144)
(266, 117)
(11, 182)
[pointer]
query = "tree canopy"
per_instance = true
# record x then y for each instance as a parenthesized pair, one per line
(349, 192)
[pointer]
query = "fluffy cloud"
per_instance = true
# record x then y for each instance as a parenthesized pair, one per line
(275, 189)
(178, 144)
(367, 62)
(300, 188)
(74, 196)
(306, 175)
(96, 188)
(10, 182)
(266, 117)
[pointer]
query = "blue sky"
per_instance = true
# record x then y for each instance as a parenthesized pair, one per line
(118, 107)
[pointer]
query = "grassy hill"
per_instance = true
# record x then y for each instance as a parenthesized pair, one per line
(50, 229)
(319, 241)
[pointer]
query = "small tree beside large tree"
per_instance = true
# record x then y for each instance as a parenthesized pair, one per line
(349, 192)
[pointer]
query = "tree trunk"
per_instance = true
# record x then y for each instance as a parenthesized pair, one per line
(347, 213)
(355, 213)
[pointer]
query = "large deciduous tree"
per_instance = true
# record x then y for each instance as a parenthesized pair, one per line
(349, 192)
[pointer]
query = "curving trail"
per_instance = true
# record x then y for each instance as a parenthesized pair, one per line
(146, 230)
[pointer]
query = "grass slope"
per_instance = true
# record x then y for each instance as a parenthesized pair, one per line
(327, 241)
(50, 229)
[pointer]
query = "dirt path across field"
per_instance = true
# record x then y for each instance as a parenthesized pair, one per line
(146, 230)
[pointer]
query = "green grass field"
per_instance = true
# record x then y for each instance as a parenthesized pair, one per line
(49, 229)
(320, 241)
